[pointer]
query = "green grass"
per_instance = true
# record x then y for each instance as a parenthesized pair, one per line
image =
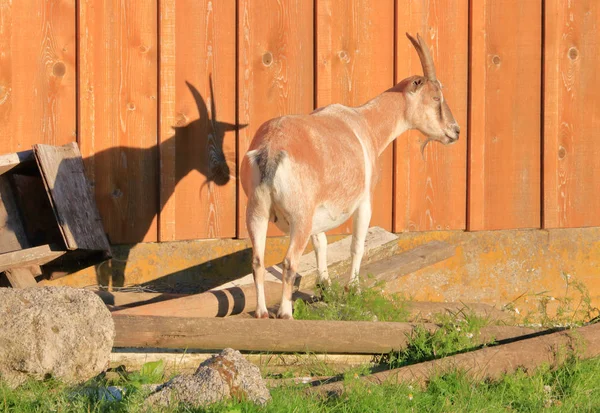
(573, 387)
(366, 304)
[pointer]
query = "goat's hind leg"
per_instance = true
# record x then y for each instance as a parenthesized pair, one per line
(299, 236)
(257, 222)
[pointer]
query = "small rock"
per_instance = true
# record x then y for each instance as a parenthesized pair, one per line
(59, 332)
(224, 376)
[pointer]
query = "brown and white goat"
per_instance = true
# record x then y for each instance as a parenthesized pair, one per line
(310, 173)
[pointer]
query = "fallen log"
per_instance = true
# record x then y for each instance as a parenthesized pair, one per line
(493, 362)
(355, 337)
(214, 303)
(131, 298)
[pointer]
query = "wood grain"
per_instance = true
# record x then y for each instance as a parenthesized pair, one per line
(30, 256)
(221, 303)
(355, 63)
(63, 174)
(505, 115)
(430, 190)
(37, 73)
(275, 70)
(118, 113)
(197, 124)
(20, 278)
(571, 108)
(356, 337)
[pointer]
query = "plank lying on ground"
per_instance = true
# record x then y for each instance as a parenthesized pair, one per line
(427, 311)
(407, 262)
(379, 243)
(493, 362)
(268, 363)
(356, 337)
(221, 303)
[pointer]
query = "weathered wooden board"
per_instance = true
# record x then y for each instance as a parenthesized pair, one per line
(13, 160)
(505, 115)
(20, 277)
(378, 244)
(118, 113)
(275, 70)
(64, 177)
(571, 114)
(12, 233)
(221, 303)
(430, 190)
(355, 63)
(30, 256)
(270, 335)
(406, 262)
(197, 119)
(37, 73)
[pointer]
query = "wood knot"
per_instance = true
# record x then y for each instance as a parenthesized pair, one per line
(496, 60)
(573, 53)
(267, 59)
(343, 55)
(562, 152)
(59, 69)
(131, 106)
(143, 48)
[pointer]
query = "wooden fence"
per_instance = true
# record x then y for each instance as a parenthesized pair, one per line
(157, 91)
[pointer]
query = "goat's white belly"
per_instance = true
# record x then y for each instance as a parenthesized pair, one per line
(326, 218)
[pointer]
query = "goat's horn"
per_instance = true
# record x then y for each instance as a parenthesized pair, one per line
(424, 56)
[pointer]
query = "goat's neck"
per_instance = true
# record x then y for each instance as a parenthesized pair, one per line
(385, 117)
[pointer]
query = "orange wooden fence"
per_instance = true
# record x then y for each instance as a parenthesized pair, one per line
(159, 92)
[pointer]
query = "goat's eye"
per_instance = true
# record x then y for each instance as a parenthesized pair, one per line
(436, 98)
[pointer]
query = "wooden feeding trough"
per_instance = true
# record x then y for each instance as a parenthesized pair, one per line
(49, 222)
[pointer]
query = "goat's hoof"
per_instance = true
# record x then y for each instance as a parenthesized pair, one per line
(285, 316)
(260, 314)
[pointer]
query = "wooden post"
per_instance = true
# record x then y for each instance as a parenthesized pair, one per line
(230, 301)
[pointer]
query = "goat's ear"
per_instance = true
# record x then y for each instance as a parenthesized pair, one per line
(416, 84)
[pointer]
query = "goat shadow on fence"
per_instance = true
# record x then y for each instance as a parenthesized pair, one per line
(204, 137)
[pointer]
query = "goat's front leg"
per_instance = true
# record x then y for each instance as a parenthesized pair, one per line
(362, 218)
(319, 242)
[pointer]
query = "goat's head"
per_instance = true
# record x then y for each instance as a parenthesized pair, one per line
(426, 108)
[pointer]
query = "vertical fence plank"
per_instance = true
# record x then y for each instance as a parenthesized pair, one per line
(118, 113)
(505, 114)
(572, 105)
(37, 73)
(355, 63)
(430, 191)
(275, 72)
(197, 137)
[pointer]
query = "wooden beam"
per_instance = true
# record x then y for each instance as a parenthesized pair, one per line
(491, 363)
(230, 301)
(354, 337)
(30, 256)
(407, 262)
(20, 277)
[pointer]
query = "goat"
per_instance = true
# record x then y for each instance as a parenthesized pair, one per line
(310, 173)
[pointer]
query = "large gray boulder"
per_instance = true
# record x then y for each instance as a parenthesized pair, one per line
(223, 376)
(59, 332)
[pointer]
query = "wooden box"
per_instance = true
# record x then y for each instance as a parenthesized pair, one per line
(48, 216)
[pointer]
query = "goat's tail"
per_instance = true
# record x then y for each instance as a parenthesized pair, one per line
(267, 165)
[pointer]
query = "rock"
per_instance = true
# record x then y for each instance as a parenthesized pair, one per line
(224, 376)
(62, 332)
